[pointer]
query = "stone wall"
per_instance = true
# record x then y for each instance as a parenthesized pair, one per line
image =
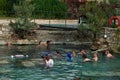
(5, 36)
(57, 35)
(113, 37)
(44, 35)
(5, 33)
(109, 38)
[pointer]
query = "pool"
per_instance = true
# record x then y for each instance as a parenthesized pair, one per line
(104, 69)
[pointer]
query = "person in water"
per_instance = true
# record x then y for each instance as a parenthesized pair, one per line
(95, 57)
(49, 62)
(69, 56)
(73, 53)
(108, 54)
(45, 44)
(58, 54)
(84, 56)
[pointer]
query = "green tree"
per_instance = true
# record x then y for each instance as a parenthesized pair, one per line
(23, 25)
(115, 4)
(96, 17)
(50, 9)
(3, 7)
(6, 7)
(9, 7)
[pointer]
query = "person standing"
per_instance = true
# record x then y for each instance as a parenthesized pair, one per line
(49, 62)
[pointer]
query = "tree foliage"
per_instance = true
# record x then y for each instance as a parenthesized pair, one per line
(43, 8)
(9, 7)
(113, 2)
(50, 8)
(3, 7)
(96, 17)
(115, 6)
(23, 24)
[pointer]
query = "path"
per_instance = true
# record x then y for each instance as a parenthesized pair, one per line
(44, 21)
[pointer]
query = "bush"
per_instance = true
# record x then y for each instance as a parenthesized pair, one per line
(23, 25)
(118, 49)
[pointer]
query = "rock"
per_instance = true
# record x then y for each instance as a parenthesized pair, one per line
(28, 64)
(102, 40)
(100, 50)
(33, 63)
(37, 61)
(1, 32)
(2, 42)
(76, 78)
(93, 48)
(4, 62)
(25, 41)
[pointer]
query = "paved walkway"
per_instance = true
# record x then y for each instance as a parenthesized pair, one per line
(44, 21)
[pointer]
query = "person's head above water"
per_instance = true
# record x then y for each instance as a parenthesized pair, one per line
(82, 51)
(47, 57)
(48, 42)
(40, 42)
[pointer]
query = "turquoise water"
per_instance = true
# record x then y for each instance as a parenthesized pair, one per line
(104, 69)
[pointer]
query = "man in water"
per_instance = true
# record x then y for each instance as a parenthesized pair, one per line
(45, 44)
(84, 56)
(108, 54)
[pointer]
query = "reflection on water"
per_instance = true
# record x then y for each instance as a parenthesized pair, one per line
(104, 69)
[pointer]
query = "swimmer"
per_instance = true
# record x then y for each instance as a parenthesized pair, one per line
(69, 56)
(49, 62)
(108, 54)
(84, 56)
(95, 57)
(8, 43)
(45, 44)
(58, 54)
(73, 54)
(48, 44)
